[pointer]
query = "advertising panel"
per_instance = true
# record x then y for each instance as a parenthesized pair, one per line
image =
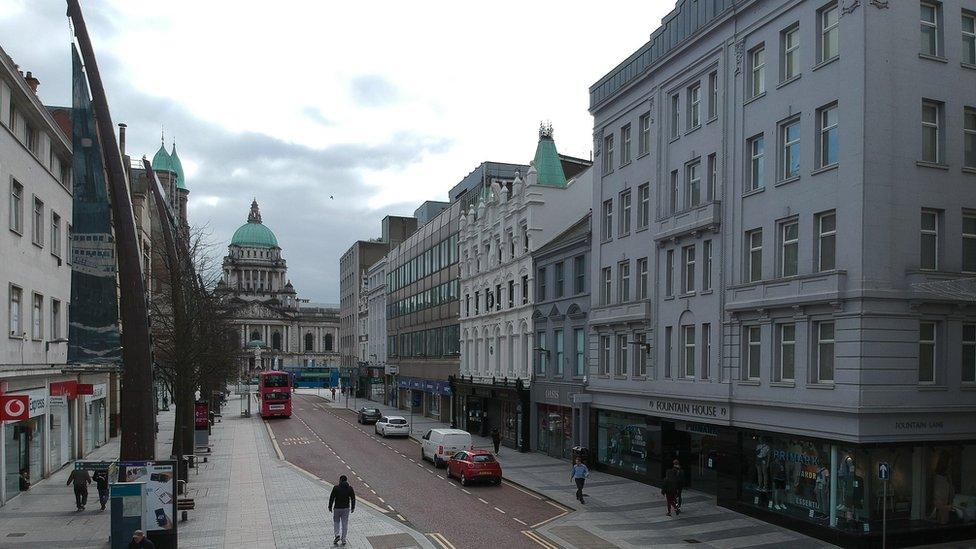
(160, 479)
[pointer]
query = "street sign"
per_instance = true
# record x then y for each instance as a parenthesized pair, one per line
(884, 471)
(14, 407)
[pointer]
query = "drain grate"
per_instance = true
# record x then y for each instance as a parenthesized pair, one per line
(16, 534)
(692, 540)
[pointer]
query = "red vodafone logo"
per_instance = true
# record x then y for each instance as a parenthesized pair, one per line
(14, 407)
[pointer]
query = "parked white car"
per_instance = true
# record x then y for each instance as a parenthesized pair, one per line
(388, 426)
(438, 445)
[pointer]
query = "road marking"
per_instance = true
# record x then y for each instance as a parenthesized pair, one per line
(366, 485)
(413, 460)
(441, 540)
(557, 506)
(483, 501)
(465, 491)
(499, 510)
(399, 516)
(538, 539)
(520, 489)
(564, 512)
(391, 508)
(383, 501)
(274, 442)
(441, 477)
(520, 521)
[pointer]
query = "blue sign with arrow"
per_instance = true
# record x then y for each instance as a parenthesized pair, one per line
(884, 470)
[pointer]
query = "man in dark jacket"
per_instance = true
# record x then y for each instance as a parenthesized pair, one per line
(101, 482)
(672, 487)
(342, 502)
(81, 481)
(496, 439)
(140, 541)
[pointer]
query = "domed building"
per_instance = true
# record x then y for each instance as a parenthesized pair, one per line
(169, 170)
(278, 329)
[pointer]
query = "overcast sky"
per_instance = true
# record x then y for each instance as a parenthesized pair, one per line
(380, 104)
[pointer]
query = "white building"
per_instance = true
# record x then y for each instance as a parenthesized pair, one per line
(496, 240)
(375, 295)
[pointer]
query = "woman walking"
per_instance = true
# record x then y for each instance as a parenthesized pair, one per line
(580, 472)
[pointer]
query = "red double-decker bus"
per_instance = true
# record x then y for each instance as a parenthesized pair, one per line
(274, 390)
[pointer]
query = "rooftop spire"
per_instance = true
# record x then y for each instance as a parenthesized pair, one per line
(255, 215)
(546, 161)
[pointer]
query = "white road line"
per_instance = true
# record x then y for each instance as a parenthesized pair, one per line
(399, 516)
(366, 485)
(499, 510)
(441, 477)
(381, 500)
(483, 501)
(391, 508)
(522, 522)
(465, 491)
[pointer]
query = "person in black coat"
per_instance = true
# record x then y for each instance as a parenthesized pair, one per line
(342, 503)
(140, 541)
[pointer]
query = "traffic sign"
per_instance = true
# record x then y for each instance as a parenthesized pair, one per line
(14, 407)
(884, 471)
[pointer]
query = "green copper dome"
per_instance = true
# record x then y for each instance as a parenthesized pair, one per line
(546, 161)
(254, 234)
(177, 168)
(162, 161)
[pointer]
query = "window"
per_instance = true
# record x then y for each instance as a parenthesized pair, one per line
(706, 335)
(673, 193)
(789, 247)
(926, 352)
(790, 153)
(625, 145)
(757, 162)
(623, 282)
(754, 260)
(37, 317)
(969, 242)
(55, 234)
(477, 301)
(608, 154)
(511, 294)
(690, 347)
(579, 336)
(827, 127)
(930, 240)
(706, 265)
(753, 352)
(829, 33)
(540, 285)
(55, 319)
(643, 205)
(579, 272)
(969, 38)
(826, 241)
(693, 191)
(786, 365)
(605, 355)
(969, 137)
(688, 269)
(14, 308)
(667, 351)
(621, 365)
(757, 69)
(33, 139)
(642, 279)
(969, 353)
(669, 274)
(525, 291)
(790, 43)
(930, 28)
(641, 340)
(37, 227)
(606, 230)
(675, 106)
(931, 131)
(644, 138)
(605, 294)
(560, 352)
(825, 352)
(16, 207)
(712, 177)
(541, 354)
(694, 106)
(713, 95)
(624, 213)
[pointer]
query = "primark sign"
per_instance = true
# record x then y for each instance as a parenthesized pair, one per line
(689, 409)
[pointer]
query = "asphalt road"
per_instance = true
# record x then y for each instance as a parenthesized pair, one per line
(389, 473)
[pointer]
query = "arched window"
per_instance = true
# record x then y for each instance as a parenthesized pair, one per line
(308, 341)
(276, 341)
(328, 342)
(255, 335)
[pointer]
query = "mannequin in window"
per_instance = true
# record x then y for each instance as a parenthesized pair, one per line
(762, 465)
(823, 489)
(943, 493)
(778, 474)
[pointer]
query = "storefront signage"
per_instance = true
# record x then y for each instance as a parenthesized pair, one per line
(14, 408)
(67, 389)
(919, 425)
(98, 391)
(688, 408)
(38, 402)
(552, 394)
(85, 388)
(57, 401)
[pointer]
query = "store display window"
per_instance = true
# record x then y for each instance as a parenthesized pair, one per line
(627, 442)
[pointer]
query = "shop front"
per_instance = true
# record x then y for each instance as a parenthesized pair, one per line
(429, 397)
(555, 424)
(61, 427)
(95, 433)
(24, 444)
(481, 407)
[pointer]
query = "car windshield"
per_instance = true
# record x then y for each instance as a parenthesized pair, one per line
(398, 422)
(370, 411)
(277, 380)
(482, 458)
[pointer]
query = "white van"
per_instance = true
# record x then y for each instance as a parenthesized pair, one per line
(438, 445)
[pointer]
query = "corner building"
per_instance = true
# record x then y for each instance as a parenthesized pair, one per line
(783, 195)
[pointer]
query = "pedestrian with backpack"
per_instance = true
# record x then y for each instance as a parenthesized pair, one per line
(342, 503)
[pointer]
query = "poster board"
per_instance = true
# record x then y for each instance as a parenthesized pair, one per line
(160, 480)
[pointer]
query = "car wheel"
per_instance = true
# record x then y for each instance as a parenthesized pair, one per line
(422, 456)
(437, 463)
(449, 475)
(464, 479)
(498, 481)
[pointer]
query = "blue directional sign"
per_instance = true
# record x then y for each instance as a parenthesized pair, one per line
(884, 470)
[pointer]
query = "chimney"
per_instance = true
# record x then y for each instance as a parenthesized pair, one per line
(32, 81)
(122, 127)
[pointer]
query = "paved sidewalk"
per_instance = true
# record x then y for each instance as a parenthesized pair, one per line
(620, 512)
(245, 497)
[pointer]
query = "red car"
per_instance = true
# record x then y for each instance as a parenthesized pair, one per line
(474, 466)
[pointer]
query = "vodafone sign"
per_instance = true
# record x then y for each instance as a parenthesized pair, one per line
(14, 407)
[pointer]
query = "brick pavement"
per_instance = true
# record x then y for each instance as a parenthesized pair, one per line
(245, 497)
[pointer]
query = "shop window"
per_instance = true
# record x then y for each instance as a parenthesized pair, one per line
(626, 442)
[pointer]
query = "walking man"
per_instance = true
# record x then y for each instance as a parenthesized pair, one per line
(101, 482)
(672, 487)
(580, 472)
(496, 439)
(342, 502)
(81, 480)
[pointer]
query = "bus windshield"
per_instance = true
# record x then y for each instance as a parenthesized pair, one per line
(277, 380)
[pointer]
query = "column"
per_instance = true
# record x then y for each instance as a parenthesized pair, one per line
(833, 486)
(529, 345)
